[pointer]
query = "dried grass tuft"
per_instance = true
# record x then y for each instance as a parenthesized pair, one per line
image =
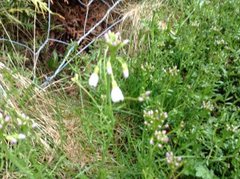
(40, 111)
(133, 15)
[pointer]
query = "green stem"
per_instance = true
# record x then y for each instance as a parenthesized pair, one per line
(109, 109)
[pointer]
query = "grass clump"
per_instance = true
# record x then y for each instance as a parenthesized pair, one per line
(183, 66)
(177, 115)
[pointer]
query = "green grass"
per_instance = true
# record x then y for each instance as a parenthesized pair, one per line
(192, 69)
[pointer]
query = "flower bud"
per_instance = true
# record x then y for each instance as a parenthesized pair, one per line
(125, 70)
(109, 67)
(116, 93)
(93, 80)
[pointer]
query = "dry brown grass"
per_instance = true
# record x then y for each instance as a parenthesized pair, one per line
(45, 107)
(133, 14)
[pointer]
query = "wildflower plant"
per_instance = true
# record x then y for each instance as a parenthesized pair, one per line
(14, 126)
(113, 43)
(155, 122)
(103, 79)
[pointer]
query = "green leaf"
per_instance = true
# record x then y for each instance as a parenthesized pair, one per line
(204, 172)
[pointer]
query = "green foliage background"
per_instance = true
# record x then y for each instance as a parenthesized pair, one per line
(202, 40)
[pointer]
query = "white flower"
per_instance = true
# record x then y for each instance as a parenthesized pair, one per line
(19, 122)
(13, 141)
(147, 93)
(114, 39)
(106, 36)
(125, 70)
(21, 136)
(116, 93)
(93, 80)
(165, 115)
(34, 125)
(125, 42)
(151, 141)
(7, 118)
(207, 105)
(126, 73)
(109, 67)
(140, 99)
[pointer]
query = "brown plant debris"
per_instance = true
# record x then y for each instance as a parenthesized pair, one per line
(73, 19)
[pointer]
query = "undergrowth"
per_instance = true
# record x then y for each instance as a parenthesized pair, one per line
(178, 116)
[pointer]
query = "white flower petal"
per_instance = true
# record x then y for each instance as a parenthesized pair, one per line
(13, 141)
(147, 93)
(140, 99)
(21, 136)
(126, 41)
(151, 141)
(125, 70)
(34, 125)
(93, 80)
(109, 68)
(7, 118)
(125, 73)
(117, 95)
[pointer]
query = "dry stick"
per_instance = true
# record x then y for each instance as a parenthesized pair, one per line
(65, 62)
(86, 17)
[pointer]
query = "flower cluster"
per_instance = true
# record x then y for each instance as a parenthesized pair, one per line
(173, 160)
(154, 120)
(144, 96)
(233, 128)
(207, 105)
(154, 116)
(148, 67)
(171, 71)
(114, 42)
(13, 127)
(160, 136)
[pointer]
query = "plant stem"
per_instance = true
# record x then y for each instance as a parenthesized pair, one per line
(109, 109)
